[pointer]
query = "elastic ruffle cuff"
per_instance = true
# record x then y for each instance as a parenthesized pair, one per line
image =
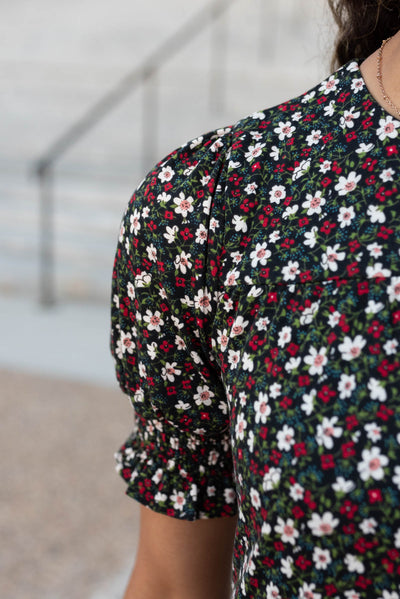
(189, 477)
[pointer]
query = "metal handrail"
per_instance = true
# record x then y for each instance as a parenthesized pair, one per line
(44, 166)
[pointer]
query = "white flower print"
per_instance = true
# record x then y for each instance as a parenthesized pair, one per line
(285, 130)
(376, 390)
(393, 290)
(178, 499)
(330, 85)
(325, 166)
(376, 214)
(260, 255)
(347, 384)
(274, 153)
(271, 478)
(388, 128)
(296, 492)
(372, 464)
(313, 203)
(202, 300)
(272, 591)
(314, 137)
(290, 271)
(353, 563)
(285, 438)
(163, 197)
(247, 362)
(152, 252)
(254, 151)
(301, 169)
(397, 539)
(307, 591)
(347, 120)
(154, 320)
(308, 402)
(343, 486)
(135, 222)
(375, 249)
(250, 441)
(396, 477)
(368, 526)
(347, 184)
(365, 148)
(229, 495)
(311, 237)
(334, 318)
(277, 194)
(233, 358)
(201, 234)
(255, 498)
(261, 408)
(170, 234)
(357, 84)
(286, 566)
(152, 350)
(327, 431)
(124, 344)
(322, 525)
(130, 288)
(352, 348)
(285, 336)
(373, 431)
(316, 359)
(331, 257)
(390, 347)
(182, 262)
(262, 323)
(184, 204)
(329, 110)
(166, 174)
(158, 476)
(240, 427)
(287, 530)
(377, 270)
(251, 188)
(232, 277)
(160, 497)
(222, 339)
(387, 175)
(292, 364)
(239, 223)
(345, 217)
(389, 595)
(322, 558)
(169, 371)
(374, 307)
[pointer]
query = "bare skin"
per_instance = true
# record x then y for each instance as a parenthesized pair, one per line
(178, 559)
(390, 74)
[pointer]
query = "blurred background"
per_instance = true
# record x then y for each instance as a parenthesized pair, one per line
(92, 95)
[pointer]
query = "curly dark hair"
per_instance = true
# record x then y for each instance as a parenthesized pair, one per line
(363, 25)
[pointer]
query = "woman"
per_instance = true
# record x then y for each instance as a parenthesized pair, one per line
(256, 329)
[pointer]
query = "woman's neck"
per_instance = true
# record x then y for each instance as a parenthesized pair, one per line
(390, 75)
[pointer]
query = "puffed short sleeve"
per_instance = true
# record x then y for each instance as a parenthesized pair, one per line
(166, 287)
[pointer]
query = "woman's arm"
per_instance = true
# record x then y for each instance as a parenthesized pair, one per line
(178, 559)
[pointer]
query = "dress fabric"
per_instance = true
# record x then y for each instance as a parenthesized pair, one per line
(255, 327)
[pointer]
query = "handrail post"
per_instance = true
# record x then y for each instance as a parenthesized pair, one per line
(219, 39)
(150, 121)
(46, 241)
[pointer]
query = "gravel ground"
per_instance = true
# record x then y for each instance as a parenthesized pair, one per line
(69, 527)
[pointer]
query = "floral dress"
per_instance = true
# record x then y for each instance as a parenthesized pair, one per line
(255, 328)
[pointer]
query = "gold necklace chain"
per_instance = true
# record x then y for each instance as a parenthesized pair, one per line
(379, 77)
